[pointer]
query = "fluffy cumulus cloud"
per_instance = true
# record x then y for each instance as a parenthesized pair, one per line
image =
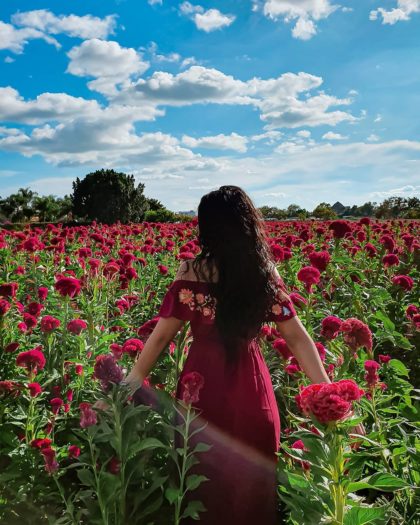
(330, 135)
(206, 20)
(233, 142)
(14, 39)
(278, 99)
(110, 63)
(305, 12)
(403, 11)
(84, 27)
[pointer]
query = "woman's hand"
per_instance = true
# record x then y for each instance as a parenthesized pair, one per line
(101, 404)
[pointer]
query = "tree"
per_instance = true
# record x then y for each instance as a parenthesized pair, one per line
(108, 196)
(154, 204)
(324, 211)
(17, 207)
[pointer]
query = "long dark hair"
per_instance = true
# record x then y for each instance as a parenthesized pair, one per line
(234, 241)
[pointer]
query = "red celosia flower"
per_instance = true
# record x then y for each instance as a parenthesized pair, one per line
(309, 275)
(10, 388)
(340, 228)
(51, 464)
(330, 327)
(74, 451)
(114, 465)
(388, 242)
(356, 334)
(403, 281)
(4, 307)
(281, 346)
(78, 369)
(34, 389)
(384, 358)
(390, 260)
(321, 350)
(298, 300)
(133, 347)
(68, 286)
(291, 369)
(162, 269)
(320, 260)
(30, 320)
(411, 310)
(56, 403)
(41, 443)
(87, 415)
(11, 347)
(116, 350)
(42, 293)
(107, 370)
(32, 360)
(371, 375)
(49, 323)
(76, 326)
(300, 446)
(192, 383)
(8, 289)
(328, 401)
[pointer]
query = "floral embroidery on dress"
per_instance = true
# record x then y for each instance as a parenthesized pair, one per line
(204, 303)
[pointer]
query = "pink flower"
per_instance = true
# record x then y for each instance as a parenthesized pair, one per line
(281, 346)
(390, 260)
(192, 383)
(133, 347)
(309, 275)
(74, 451)
(56, 404)
(403, 281)
(76, 326)
(328, 401)
(340, 228)
(68, 286)
(32, 360)
(320, 260)
(51, 464)
(8, 289)
(34, 389)
(356, 334)
(49, 323)
(107, 370)
(384, 358)
(371, 375)
(330, 327)
(87, 415)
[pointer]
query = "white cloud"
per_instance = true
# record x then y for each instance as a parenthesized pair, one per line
(402, 12)
(270, 137)
(63, 108)
(110, 63)
(9, 60)
(330, 135)
(206, 20)
(405, 191)
(276, 98)
(378, 118)
(233, 142)
(304, 29)
(15, 40)
(305, 11)
(155, 2)
(305, 133)
(84, 27)
(372, 138)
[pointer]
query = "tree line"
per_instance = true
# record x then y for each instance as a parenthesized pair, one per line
(108, 196)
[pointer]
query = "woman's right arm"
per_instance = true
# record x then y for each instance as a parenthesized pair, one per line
(302, 346)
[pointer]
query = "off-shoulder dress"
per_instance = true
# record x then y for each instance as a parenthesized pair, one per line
(239, 408)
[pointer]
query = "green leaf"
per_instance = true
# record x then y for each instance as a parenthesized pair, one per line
(297, 481)
(194, 480)
(399, 367)
(171, 494)
(192, 510)
(379, 481)
(145, 444)
(202, 447)
(86, 477)
(364, 516)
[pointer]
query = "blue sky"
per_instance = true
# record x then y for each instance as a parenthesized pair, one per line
(296, 102)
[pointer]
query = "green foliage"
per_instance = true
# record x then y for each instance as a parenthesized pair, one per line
(108, 196)
(324, 211)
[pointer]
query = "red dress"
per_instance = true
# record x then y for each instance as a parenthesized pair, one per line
(239, 408)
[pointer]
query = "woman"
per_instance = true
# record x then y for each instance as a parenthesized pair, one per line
(227, 292)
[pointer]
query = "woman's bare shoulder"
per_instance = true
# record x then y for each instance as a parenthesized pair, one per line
(186, 271)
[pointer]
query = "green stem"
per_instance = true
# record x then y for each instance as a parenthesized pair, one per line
(98, 487)
(178, 502)
(63, 497)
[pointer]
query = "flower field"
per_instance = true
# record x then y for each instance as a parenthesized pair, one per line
(77, 305)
